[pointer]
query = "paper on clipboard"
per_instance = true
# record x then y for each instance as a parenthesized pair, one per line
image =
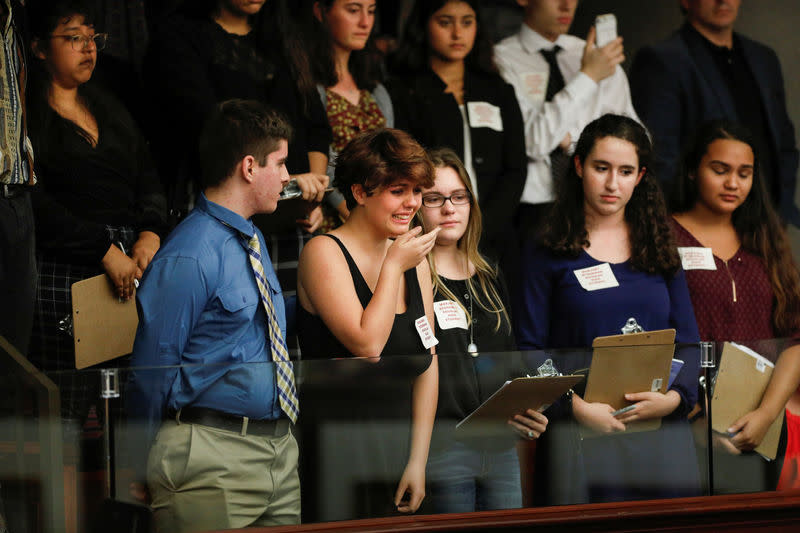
(741, 381)
(633, 362)
(103, 326)
(512, 398)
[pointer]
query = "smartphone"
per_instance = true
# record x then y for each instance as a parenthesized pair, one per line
(606, 29)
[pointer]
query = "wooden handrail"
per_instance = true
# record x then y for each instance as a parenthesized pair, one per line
(770, 511)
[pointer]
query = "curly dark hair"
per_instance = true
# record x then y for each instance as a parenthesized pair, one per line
(412, 56)
(755, 221)
(652, 247)
(364, 65)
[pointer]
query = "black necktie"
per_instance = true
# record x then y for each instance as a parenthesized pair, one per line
(559, 161)
(555, 81)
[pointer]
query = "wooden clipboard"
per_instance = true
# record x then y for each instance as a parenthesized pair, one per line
(634, 362)
(103, 326)
(512, 398)
(741, 381)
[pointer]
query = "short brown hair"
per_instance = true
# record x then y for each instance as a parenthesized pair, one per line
(235, 129)
(379, 158)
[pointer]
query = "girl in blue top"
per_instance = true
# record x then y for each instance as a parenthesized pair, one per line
(606, 255)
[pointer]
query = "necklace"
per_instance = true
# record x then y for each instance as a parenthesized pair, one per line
(472, 348)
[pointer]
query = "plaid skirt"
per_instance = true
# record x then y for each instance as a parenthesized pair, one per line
(52, 348)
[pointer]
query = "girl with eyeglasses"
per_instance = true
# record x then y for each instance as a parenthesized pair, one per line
(606, 255)
(447, 93)
(99, 205)
(481, 472)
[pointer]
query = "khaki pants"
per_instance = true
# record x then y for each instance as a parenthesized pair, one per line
(202, 478)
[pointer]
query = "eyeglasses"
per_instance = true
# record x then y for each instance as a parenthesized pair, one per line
(437, 200)
(79, 43)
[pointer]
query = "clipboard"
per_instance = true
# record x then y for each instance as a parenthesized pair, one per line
(103, 326)
(512, 398)
(633, 362)
(741, 381)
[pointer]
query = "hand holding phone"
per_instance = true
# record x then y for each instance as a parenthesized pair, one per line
(604, 50)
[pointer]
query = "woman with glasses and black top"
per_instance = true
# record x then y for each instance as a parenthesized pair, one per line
(99, 206)
(479, 472)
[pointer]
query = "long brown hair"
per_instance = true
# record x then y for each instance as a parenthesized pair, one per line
(652, 247)
(483, 293)
(755, 221)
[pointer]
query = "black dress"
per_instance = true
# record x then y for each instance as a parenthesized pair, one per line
(355, 416)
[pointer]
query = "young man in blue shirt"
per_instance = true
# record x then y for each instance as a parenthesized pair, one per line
(211, 309)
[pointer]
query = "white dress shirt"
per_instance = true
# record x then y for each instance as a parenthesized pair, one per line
(547, 123)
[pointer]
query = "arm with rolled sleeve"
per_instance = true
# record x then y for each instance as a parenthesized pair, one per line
(681, 317)
(173, 295)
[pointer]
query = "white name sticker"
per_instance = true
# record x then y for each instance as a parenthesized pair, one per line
(696, 258)
(425, 332)
(535, 85)
(596, 277)
(450, 315)
(484, 115)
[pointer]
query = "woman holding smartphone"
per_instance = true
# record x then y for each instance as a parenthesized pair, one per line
(609, 223)
(747, 290)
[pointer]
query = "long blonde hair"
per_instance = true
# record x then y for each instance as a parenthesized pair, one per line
(483, 293)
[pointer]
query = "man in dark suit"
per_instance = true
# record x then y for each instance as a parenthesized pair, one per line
(706, 71)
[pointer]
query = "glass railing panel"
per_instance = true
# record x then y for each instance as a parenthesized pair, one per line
(354, 437)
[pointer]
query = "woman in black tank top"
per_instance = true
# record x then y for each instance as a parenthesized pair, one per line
(364, 290)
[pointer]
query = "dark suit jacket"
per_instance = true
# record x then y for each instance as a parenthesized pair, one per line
(432, 116)
(676, 86)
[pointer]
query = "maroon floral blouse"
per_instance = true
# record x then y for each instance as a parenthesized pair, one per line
(348, 120)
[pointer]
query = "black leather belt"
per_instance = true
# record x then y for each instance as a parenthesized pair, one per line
(12, 191)
(238, 424)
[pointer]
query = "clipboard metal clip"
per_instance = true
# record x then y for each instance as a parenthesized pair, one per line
(631, 326)
(65, 325)
(547, 369)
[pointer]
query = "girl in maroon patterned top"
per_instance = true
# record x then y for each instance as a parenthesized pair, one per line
(747, 288)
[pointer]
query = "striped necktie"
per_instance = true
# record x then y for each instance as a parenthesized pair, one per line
(287, 393)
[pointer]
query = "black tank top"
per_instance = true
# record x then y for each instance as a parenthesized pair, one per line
(317, 341)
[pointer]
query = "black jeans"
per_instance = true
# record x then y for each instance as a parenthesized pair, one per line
(17, 270)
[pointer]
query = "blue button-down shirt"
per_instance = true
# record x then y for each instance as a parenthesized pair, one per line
(199, 307)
